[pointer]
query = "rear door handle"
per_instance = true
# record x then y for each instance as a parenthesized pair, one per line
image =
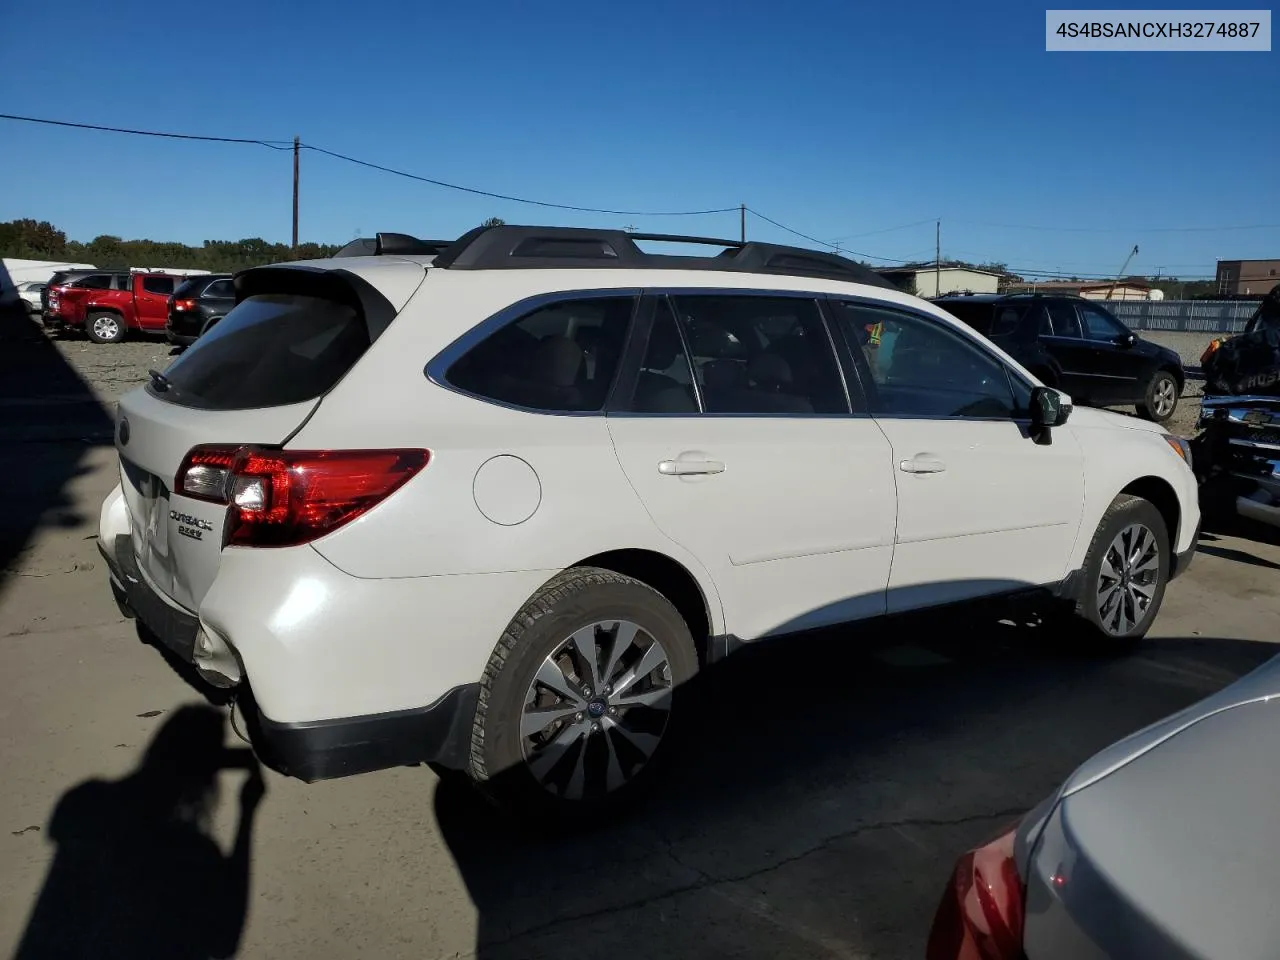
(686, 468)
(922, 464)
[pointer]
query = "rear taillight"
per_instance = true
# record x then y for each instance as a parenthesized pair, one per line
(184, 304)
(980, 917)
(279, 498)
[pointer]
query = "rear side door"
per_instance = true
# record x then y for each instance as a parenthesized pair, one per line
(982, 509)
(151, 295)
(1062, 337)
(737, 435)
(1122, 371)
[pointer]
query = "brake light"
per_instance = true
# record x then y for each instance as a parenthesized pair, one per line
(279, 498)
(981, 914)
(184, 304)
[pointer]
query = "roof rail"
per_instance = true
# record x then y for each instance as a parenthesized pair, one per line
(392, 244)
(513, 247)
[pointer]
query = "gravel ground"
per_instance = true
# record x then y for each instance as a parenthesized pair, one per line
(110, 370)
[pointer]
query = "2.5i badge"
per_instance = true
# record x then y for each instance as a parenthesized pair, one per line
(189, 526)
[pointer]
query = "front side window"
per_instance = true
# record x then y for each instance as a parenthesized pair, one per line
(1099, 325)
(922, 369)
(560, 358)
(761, 355)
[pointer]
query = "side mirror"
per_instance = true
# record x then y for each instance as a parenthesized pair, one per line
(1049, 408)
(1127, 339)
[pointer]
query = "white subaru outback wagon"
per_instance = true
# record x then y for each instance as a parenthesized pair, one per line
(489, 504)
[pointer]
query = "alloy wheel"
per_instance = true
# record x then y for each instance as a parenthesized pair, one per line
(1128, 579)
(106, 327)
(1166, 396)
(596, 710)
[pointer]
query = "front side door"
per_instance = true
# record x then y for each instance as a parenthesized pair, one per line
(151, 300)
(982, 508)
(738, 438)
(1122, 371)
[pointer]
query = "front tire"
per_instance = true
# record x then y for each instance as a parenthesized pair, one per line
(1125, 572)
(581, 699)
(104, 327)
(1161, 398)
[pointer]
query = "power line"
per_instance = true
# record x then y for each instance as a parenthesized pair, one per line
(1125, 229)
(821, 243)
(272, 144)
(288, 144)
(503, 196)
(869, 233)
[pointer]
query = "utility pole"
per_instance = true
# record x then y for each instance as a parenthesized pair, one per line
(296, 146)
(742, 222)
(937, 260)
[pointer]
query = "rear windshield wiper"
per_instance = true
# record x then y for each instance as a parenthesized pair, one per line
(159, 381)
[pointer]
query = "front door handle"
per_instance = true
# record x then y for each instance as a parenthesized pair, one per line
(687, 468)
(922, 464)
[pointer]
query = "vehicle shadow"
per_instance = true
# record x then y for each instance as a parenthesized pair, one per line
(831, 781)
(49, 418)
(136, 873)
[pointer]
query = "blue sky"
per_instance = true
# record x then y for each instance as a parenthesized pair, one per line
(837, 119)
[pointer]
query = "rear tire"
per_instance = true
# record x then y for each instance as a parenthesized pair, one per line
(560, 738)
(1161, 398)
(104, 327)
(1122, 582)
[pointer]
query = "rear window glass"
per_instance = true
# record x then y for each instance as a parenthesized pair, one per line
(561, 357)
(190, 288)
(95, 281)
(269, 351)
(220, 290)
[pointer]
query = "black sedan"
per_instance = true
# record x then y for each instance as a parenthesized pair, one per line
(197, 305)
(1079, 346)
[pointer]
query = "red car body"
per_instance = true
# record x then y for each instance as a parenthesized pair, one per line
(144, 307)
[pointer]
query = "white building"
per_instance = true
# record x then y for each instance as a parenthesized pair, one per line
(937, 282)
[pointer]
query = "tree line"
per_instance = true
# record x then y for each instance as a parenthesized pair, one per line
(41, 240)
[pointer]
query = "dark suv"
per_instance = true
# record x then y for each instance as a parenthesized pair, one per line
(197, 305)
(1077, 345)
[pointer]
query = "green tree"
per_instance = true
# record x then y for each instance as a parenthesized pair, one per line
(494, 222)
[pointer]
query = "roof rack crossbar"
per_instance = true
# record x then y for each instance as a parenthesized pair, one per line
(513, 247)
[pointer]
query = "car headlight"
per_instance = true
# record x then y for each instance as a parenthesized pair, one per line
(1179, 446)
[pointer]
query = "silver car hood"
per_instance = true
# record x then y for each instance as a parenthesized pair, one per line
(1171, 852)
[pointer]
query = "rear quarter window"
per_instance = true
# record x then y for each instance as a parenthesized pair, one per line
(560, 358)
(271, 350)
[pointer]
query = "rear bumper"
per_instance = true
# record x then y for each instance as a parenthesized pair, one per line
(332, 671)
(325, 749)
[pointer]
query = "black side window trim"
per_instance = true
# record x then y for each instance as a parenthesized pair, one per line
(959, 329)
(438, 366)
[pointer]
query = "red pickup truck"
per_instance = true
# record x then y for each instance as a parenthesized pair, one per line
(106, 316)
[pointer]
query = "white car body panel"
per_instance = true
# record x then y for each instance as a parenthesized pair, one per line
(1001, 513)
(797, 530)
